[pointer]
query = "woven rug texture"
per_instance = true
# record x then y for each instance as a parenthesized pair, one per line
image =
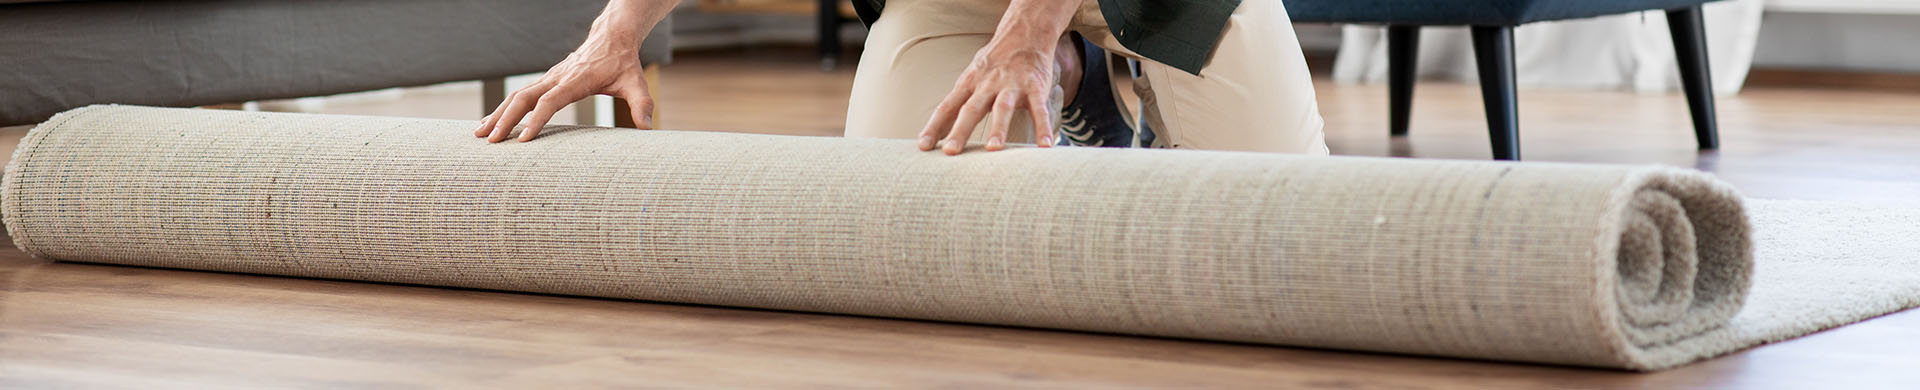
(1605, 266)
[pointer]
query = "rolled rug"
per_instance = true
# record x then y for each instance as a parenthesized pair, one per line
(1605, 266)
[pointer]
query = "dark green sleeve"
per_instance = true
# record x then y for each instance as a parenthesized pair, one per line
(868, 10)
(1179, 33)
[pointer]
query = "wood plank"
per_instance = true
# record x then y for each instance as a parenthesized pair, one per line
(1830, 79)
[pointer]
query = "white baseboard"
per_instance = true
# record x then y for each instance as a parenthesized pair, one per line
(1883, 7)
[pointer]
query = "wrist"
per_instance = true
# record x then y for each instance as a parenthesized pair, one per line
(625, 23)
(612, 40)
(1033, 25)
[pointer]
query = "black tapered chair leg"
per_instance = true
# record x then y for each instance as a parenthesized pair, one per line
(1690, 45)
(1403, 58)
(829, 33)
(1493, 51)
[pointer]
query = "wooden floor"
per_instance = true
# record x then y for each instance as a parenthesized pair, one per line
(68, 325)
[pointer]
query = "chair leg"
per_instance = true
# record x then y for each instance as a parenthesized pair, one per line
(829, 25)
(1403, 59)
(1493, 50)
(1690, 46)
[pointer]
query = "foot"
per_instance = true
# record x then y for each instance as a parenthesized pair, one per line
(1093, 116)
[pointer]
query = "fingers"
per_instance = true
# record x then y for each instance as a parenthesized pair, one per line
(543, 111)
(943, 117)
(486, 123)
(518, 106)
(1043, 117)
(1001, 119)
(493, 117)
(969, 117)
(640, 105)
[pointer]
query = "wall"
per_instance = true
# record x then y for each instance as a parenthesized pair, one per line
(1837, 41)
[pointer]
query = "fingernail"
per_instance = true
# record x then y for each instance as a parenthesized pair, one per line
(926, 143)
(996, 143)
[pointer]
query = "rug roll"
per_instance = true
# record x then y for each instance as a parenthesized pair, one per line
(1606, 266)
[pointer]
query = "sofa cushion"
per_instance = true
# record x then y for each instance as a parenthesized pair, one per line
(194, 52)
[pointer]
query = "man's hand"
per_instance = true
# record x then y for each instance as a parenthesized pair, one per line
(1015, 71)
(607, 63)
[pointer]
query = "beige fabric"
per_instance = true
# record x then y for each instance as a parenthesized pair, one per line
(1254, 94)
(1607, 266)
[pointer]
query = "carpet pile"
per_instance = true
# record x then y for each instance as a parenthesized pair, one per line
(1606, 266)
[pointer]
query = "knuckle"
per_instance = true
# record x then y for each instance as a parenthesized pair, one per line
(524, 99)
(978, 103)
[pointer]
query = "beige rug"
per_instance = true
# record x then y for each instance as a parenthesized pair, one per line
(1824, 264)
(1607, 266)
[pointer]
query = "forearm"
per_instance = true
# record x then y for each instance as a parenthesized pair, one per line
(1033, 24)
(624, 23)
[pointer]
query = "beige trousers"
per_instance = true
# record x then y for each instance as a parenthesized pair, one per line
(1254, 95)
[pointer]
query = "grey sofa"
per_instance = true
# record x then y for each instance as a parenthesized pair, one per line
(56, 55)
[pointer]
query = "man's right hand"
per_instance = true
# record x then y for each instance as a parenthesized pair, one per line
(607, 63)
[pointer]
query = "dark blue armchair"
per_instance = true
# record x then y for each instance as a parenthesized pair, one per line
(1492, 23)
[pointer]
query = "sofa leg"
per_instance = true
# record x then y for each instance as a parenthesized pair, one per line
(1690, 46)
(829, 35)
(1403, 59)
(1493, 50)
(492, 92)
